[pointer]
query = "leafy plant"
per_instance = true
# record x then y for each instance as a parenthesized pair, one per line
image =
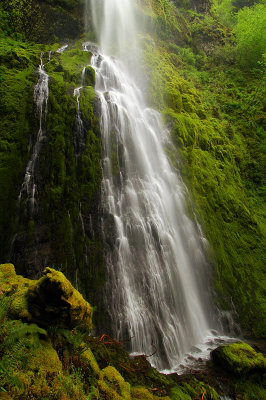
(251, 35)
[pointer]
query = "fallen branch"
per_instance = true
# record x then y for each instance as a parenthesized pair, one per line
(127, 369)
(111, 340)
(153, 345)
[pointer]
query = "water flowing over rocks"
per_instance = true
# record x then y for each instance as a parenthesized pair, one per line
(41, 94)
(157, 290)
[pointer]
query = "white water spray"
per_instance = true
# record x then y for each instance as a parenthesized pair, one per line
(157, 274)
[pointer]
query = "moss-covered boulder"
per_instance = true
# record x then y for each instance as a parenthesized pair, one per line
(50, 300)
(63, 361)
(42, 371)
(239, 358)
(16, 288)
(53, 300)
(89, 76)
(112, 385)
(140, 393)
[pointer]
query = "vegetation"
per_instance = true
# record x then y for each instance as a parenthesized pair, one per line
(64, 362)
(239, 358)
(204, 82)
(67, 183)
(205, 61)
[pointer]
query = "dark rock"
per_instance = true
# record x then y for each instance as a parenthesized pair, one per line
(53, 300)
(89, 76)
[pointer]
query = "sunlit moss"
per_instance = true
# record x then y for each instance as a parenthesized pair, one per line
(239, 358)
(113, 385)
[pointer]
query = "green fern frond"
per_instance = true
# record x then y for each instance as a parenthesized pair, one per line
(23, 331)
(4, 304)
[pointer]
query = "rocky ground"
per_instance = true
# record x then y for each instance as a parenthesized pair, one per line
(47, 351)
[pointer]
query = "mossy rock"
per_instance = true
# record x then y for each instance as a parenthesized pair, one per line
(5, 396)
(50, 300)
(89, 361)
(140, 393)
(53, 300)
(16, 288)
(29, 365)
(239, 358)
(89, 76)
(112, 385)
(42, 375)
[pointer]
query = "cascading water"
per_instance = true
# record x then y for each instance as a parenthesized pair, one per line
(41, 94)
(79, 131)
(157, 278)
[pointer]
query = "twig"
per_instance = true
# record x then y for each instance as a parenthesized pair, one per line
(153, 345)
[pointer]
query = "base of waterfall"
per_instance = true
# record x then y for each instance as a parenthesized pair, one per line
(197, 358)
(53, 323)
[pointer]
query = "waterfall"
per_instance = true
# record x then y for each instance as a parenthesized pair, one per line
(157, 291)
(41, 93)
(79, 130)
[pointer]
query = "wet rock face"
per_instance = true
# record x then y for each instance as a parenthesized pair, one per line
(89, 76)
(239, 358)
(202, 6)
(63, 19)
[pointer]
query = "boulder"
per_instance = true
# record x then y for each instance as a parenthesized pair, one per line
(239, 358)
(89, 76)
(51, 300)
(15, 288)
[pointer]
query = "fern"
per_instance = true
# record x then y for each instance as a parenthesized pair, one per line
(15, 347)
(23, 331)
(76, 339)
(7, 377)
(4, 304)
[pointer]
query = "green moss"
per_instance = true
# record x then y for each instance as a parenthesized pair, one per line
(54, 300)
(214, 110)
(73, 62)
(89, 76)
(113, 385)
(51, 299)
(16, 287)
(18, 63)
(67, 185)
(72, 182)
(88, 358)
(178, 394)
(250, 390)
(42, 373)
(143, 394)
(28, 364)
(239, 358)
